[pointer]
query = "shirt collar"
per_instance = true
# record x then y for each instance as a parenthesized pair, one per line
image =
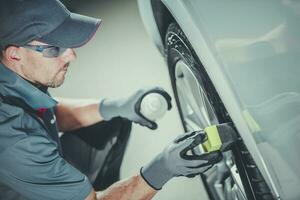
(12, 85)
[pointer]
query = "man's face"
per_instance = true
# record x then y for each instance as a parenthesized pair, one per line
(45, 71)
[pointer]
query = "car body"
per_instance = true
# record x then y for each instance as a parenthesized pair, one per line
(250, 50)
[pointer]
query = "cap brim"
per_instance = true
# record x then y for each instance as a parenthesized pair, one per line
(74, 32)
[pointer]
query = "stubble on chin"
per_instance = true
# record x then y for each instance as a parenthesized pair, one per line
(59, 79)
(56, 83)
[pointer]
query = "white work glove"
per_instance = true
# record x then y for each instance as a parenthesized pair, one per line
(174, 161)
(129, 107)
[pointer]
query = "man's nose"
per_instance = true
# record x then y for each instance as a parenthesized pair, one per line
(69, 55)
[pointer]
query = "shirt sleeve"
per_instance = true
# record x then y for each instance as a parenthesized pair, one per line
(34, 168)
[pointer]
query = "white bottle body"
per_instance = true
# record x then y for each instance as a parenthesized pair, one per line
(153, 106)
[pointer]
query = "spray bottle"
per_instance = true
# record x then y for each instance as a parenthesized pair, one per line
(153, 106)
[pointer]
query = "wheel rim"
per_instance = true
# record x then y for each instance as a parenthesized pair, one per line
(197, 111)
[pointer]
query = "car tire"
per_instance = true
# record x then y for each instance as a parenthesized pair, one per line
(185, 66)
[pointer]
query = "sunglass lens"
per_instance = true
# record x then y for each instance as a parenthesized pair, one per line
(54, 52)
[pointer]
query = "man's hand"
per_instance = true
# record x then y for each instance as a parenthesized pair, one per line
(129, 108)
(174, 161)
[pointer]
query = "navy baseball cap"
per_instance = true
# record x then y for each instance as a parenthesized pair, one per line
(48, 21)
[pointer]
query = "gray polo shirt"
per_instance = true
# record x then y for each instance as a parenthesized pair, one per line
(30, 164)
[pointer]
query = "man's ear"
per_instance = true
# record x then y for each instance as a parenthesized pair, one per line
(12, 54)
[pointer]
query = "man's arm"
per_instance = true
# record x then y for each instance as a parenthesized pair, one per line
(73, 114)
(134, 188)
(173, 161)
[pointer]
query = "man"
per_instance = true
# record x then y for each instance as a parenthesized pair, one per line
(37, 41)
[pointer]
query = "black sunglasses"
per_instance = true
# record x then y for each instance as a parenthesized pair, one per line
(48, 51)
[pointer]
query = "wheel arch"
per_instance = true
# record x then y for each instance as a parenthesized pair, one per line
(158, 14)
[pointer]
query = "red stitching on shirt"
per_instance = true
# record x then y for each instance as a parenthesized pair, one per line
(41, 112)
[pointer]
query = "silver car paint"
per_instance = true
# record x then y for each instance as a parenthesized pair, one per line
(147, 16)
(251, 51)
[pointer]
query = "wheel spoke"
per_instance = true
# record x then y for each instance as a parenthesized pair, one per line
(189, 110)
(209, 109)
(195, 106)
